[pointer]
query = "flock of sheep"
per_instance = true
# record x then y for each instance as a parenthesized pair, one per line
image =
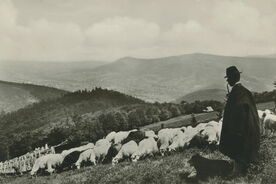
(133, 145)
(24, 163)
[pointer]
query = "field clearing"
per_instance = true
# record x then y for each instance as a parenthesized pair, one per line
(266, 105)
(180, 121)
(167, 169)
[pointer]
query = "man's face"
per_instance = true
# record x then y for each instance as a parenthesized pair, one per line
(231, 81)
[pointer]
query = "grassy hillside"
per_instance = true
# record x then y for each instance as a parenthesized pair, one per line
(220, 95)
(14, 96)
(266, 105)
(180, 121)
(207, 94)
(161, 170)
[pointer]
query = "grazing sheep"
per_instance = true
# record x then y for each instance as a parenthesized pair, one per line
(101, 150)
(270, 123)
(87, 155)
(50, 161)
(146, 147)
(125, 152)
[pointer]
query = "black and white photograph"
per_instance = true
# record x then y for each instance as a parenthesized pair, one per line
(137, 91)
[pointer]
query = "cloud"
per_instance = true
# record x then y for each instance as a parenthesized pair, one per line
(229, 27)
(243, 21)
(8, 14)
(44, 40)
(186, 32)
(39, 39)
(123, 32)
(232, 28)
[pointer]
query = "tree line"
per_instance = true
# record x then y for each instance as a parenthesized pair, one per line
(265, 96)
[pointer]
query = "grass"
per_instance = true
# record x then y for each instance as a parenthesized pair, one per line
(265, 105)
(167, 169)
(179, 121)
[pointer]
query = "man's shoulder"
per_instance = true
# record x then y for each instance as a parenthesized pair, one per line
(244, 88)
(240, 89)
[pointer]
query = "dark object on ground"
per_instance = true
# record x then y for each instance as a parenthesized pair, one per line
(199, 142)
(112, 152)
(209, 168)
(185, 176)
(69, 160)
(193, 121)
(136, 136)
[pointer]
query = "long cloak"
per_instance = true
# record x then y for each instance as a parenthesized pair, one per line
(240, 134)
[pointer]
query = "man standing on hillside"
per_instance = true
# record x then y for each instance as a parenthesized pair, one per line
(240, 134)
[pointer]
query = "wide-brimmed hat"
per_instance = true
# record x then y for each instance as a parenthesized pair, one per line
(232, 71)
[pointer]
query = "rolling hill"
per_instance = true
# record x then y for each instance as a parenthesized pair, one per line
(164, 79)
(48, 113)
(14, 96)
(54, 74)
(207, 94)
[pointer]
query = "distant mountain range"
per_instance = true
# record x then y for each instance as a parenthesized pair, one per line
(206, 94)
(14, 96)
(157, 79)
(264, 56)
(53, 74)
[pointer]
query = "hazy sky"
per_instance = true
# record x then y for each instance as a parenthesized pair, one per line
(72, 30)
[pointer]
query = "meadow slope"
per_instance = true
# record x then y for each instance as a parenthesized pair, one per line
(167, 169)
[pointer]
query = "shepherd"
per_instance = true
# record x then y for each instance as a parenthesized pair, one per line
(240, 134)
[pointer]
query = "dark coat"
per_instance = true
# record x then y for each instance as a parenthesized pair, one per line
(240, 134)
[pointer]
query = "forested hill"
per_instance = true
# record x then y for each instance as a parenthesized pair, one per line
(14, 96)
(52, 112)
(83, 116)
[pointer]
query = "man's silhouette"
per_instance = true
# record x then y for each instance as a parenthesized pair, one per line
(240, 134)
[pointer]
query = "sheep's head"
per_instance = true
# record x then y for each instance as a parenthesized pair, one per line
(135, 157)
(117, 146)
(115, 161)
(264, 115)
(171, 149)
(194, 159)
(163, 151)
(32, 173)
(78, 166)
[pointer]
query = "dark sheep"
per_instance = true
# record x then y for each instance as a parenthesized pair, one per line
(198, 141)
(69, 160)
(136, 136)
(112, 152)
